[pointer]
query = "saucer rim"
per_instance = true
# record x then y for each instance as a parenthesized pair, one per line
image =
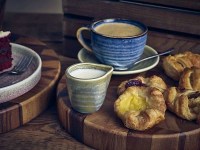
(129, 71)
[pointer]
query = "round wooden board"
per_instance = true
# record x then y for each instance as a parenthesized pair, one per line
(22, 109)
(104, 130)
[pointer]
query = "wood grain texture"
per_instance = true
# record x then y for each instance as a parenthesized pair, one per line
(42, 133)
(160, 17)
(184, 4)
(46, 27)
(22, 109)
(104, 130)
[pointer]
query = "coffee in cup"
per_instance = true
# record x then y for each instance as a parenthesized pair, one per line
(118, 30)
(115, 42)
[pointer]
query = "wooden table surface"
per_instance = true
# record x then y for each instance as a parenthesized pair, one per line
(45, 131)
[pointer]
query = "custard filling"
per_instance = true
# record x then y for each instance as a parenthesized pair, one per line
(133, 102)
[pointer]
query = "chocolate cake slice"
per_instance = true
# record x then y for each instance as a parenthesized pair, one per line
(5, 51)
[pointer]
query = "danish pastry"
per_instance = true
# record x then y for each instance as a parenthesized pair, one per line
(190, 79)
(140, 108)
(185, 104)
(153, 81)
(174, 65)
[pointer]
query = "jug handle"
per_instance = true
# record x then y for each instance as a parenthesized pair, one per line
(82, 41)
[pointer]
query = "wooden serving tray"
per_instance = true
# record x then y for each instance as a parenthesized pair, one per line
(22, 109)
(104, 130)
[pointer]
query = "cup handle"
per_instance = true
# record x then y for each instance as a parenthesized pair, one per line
(82, 41)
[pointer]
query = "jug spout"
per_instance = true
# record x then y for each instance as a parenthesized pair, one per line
(108, 73)
(107, 69)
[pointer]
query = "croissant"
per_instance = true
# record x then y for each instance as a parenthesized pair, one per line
(153, 81)
(140, 108)
(190, 79)
(184, 103)
(174, 65)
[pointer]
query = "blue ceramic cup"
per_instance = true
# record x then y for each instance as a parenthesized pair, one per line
(115, 42)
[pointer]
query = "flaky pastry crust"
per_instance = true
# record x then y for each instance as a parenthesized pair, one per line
(149, 110)
(190, 79)
(174, 65)
(185, 104)
(153, 81)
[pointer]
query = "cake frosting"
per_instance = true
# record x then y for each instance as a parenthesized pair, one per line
(4, 34)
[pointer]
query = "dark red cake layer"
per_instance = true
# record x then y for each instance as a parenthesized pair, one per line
(5, 53)
(5, 41)
(5, 65)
